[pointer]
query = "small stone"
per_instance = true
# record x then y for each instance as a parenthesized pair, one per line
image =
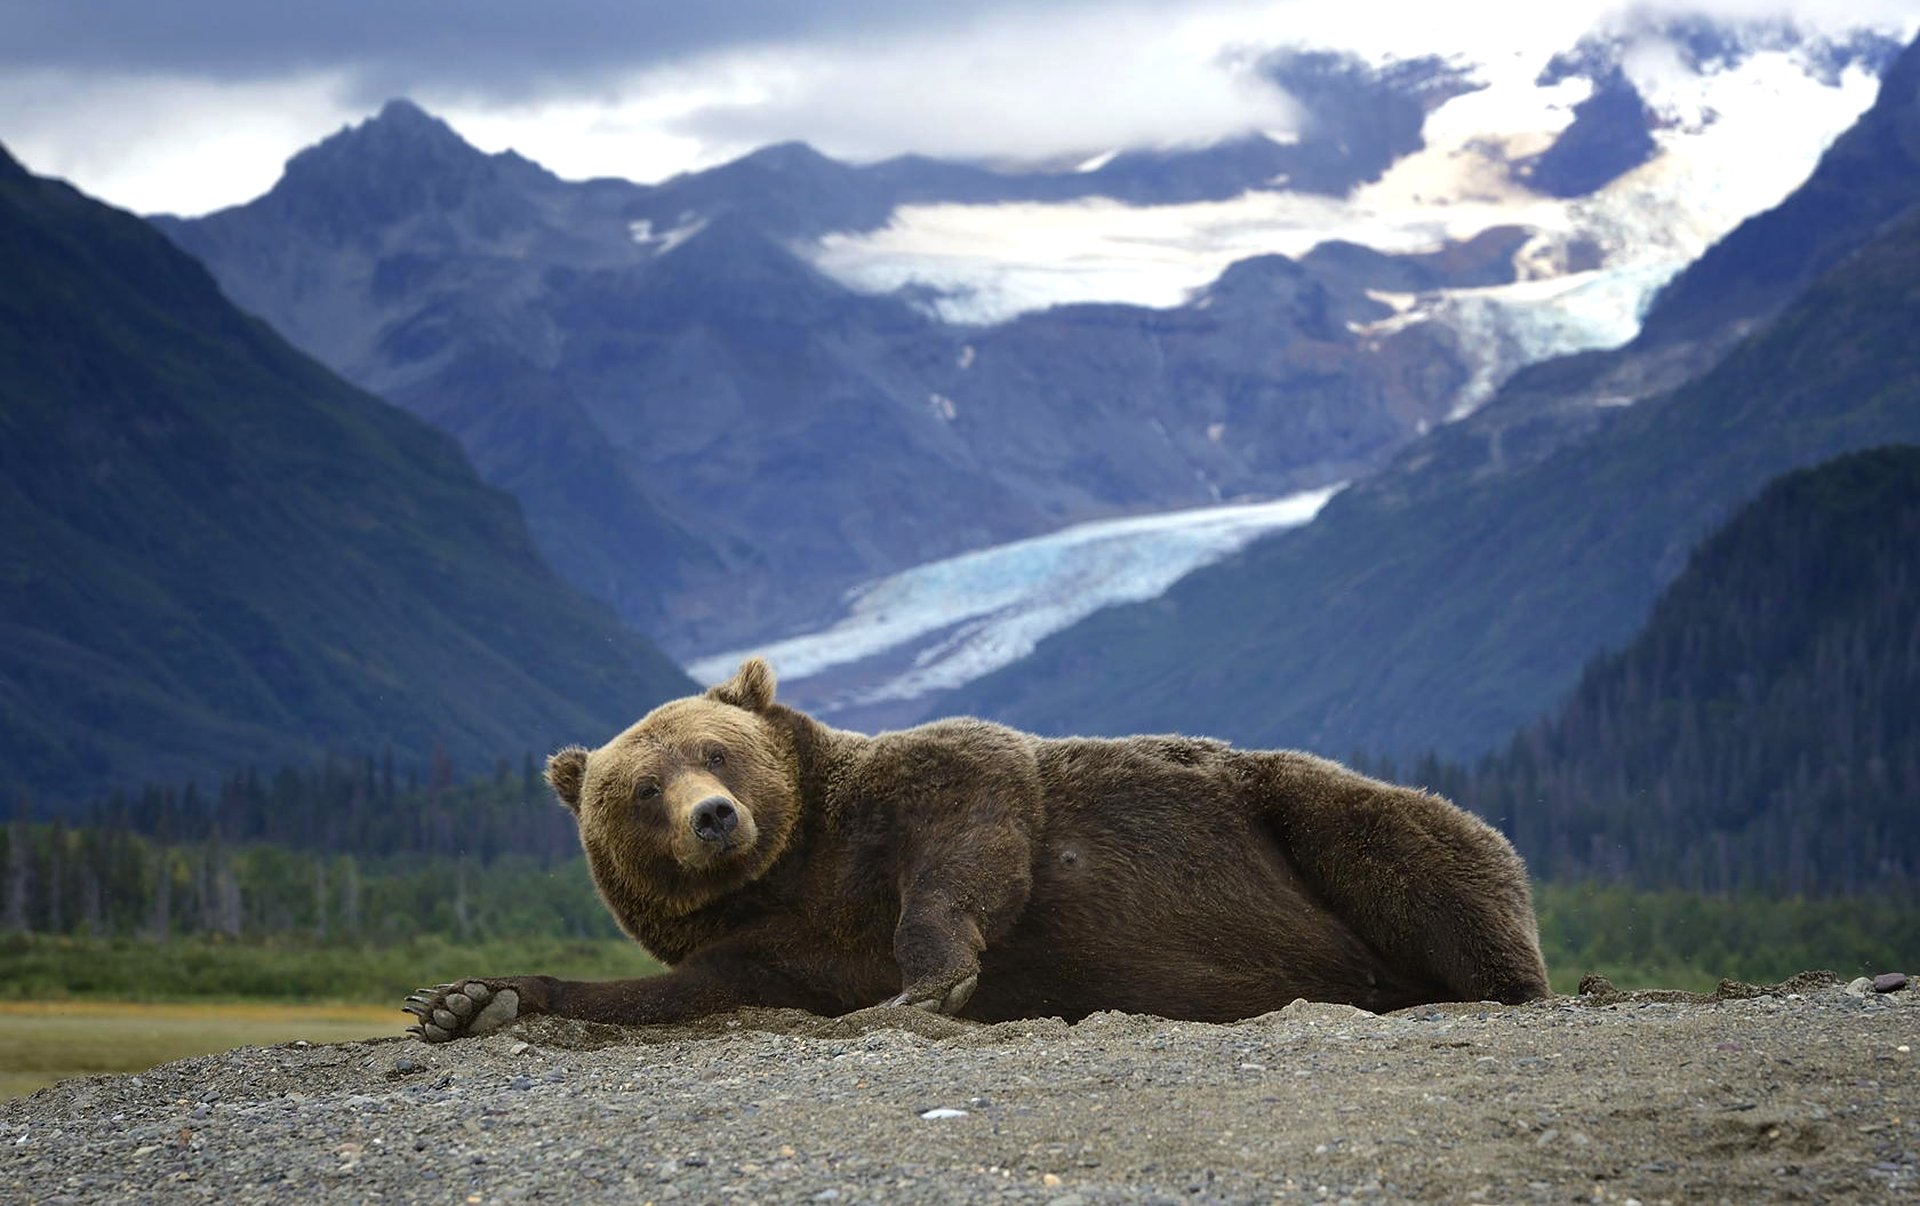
(520, 1083)
(1890, 982)
(1050, 1180)
(405, 1066)
(519, 1048)
(942, 1112)
(1860, 987)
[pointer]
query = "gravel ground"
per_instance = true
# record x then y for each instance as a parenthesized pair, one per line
(1802, 1090)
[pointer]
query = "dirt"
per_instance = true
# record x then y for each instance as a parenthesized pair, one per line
(1803, 1090)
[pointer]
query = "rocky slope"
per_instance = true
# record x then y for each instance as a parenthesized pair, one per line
(1796, 1091)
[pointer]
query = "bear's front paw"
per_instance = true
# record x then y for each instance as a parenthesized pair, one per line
(939, 998)
(462, 1009)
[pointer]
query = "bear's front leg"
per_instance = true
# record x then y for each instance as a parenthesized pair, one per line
(959, 901)
(708, 982)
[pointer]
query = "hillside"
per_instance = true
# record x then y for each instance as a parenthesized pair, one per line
(1456, 595)
(1760, 733)
(216, 552)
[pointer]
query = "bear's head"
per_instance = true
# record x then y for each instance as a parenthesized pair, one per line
(697, 799)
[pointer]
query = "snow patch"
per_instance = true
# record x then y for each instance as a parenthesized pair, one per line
(951, 621)
(661, 244)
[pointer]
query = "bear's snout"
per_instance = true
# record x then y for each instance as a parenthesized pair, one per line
(714, 818)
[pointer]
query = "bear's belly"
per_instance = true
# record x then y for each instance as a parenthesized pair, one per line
(1215, 926)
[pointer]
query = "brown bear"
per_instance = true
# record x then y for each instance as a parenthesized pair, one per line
(967, 868)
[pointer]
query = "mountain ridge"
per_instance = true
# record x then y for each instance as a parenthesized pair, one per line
(766, 437)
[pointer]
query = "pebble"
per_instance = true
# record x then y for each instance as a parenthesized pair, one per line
(1860, 987)
(1890, 982)
(942, 1112)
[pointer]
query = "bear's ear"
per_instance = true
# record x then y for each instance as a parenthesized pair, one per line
(751, 686)
(566, 773)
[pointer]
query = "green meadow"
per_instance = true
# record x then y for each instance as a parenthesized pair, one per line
(81, 1006)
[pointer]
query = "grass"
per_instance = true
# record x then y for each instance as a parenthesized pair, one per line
(45, 1041)
(45, 967)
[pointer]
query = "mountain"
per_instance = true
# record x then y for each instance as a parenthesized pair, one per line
(721, 439)
(217, 553)
(727, 400)
(1759, 733)
(1454, 596)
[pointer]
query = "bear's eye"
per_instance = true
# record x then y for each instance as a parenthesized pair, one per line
(647, 791)
(716, 758)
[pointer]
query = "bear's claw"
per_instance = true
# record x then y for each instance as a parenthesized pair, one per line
(951, 1002)
(460, 1010)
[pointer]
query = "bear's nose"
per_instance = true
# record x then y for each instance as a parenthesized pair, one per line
(714, 818)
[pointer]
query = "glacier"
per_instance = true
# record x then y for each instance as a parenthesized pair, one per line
(945, 623)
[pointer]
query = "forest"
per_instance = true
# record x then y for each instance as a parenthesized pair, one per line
(1759, 735)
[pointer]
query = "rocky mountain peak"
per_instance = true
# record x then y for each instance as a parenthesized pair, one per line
(401, 162)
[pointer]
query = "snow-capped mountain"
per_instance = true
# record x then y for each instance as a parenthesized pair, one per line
(728, 399)
(1624, 158)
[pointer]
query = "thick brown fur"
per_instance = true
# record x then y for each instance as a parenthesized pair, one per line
(966, 867)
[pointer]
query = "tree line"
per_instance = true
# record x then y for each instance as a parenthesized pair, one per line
(340, 850)
(349, 806)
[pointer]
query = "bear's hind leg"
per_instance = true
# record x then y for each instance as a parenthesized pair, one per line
(1440, 894)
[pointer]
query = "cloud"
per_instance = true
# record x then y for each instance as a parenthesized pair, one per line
(191, 104)
(174, 144)
(504, 47)
(1027, 85)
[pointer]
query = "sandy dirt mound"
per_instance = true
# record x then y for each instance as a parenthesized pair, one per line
(1803, 1090)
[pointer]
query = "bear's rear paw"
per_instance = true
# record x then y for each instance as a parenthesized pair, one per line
(462, 1009)
(938, 999)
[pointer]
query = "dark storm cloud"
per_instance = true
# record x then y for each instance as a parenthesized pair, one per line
(503, 46)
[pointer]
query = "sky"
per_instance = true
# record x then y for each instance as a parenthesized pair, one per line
(190, 105)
